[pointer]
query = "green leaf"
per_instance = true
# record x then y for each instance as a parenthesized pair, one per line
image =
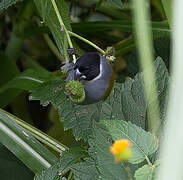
(12, 81)
(48, 174)
(9, 163)
(159, 29)
(32, 153)
(68, 158)
(127, 101)
(4, 4)
(76, 117)
(85, 170)
(143, 143)
(28, 80)
(80, 119)
(105, 164)
(147, 172)
(48, 14)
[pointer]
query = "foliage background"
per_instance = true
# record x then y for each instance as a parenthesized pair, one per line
(32, 46)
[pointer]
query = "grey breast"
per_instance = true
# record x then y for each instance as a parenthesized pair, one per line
(96, 88)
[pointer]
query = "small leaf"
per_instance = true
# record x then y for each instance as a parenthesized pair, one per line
(127, 101)
(28, 80)
(48, 14)
(99, 149)
(143, 143)
(147, 172)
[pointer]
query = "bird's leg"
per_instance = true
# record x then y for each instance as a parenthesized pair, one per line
(71, 52)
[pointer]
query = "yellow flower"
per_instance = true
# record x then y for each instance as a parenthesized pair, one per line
(121, 150)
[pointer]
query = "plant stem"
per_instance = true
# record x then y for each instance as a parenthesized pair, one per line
(87, 41)
(128, 171)
(144, 42)
(148, 161)
(70, 177)
(44, 138)
(172, 144)
(63, 27)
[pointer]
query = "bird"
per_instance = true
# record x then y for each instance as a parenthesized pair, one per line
(96, 75)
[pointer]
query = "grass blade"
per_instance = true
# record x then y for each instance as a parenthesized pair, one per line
(24, 146)
(144, 42)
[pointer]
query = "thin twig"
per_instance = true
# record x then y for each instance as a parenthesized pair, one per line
(63, 27)
(87, 41)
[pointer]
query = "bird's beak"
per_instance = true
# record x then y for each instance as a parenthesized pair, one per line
(79, 76)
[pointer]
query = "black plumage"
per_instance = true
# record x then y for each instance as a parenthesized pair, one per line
(89, 65)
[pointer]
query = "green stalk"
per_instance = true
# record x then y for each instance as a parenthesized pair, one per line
(44, 138)
(63, 27)
(172, 144)
(88, 42)
(144, 43)
(128, 171)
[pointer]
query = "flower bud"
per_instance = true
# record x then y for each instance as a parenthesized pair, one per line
(75, 91)
(121, 150)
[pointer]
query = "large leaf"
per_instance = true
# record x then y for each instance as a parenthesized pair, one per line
(105, 164)
(147, 172)
(127, 101)
(143, 143)
(75, 117)
(48, 14)
(23, 145)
